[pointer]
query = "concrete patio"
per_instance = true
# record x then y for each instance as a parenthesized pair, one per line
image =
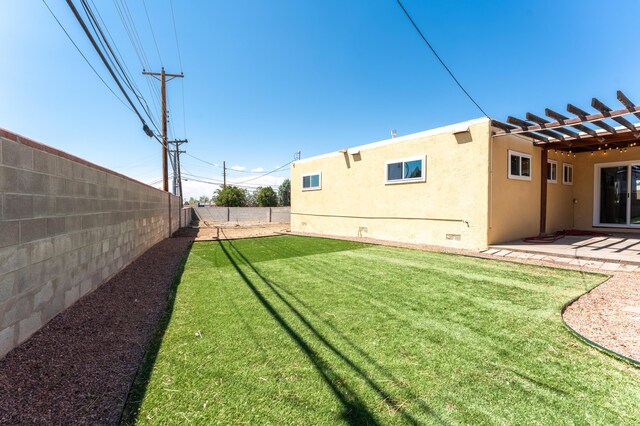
(618, 251)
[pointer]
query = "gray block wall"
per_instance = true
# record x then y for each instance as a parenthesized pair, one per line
(243, 214)
(281, 214)
(249, 214)
(186, 216)
(66, 226)
(212, 214)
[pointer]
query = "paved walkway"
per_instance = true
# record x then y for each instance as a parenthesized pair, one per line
(618, 252)
(609, 266)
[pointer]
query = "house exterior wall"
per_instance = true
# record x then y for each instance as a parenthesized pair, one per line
(66, 226)
(583, 187)
(560, 196)
(354, 199)
(515, 204)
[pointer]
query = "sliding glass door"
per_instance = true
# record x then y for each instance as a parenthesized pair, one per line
(634, 199)
(618, 194)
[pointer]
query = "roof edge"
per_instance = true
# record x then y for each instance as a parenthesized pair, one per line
(450, 128)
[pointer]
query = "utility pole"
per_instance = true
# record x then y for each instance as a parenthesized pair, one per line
(180, 180)
(177, 177)
(162, 76)
(224, 174)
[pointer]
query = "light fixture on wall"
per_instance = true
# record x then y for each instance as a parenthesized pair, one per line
(393, 133)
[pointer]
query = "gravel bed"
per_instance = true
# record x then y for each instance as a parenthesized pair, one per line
(610, 315)
(79, 367)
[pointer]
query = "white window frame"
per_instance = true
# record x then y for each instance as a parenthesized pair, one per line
(566, 166)
(521, 155)
(311, 188)
(422, 178)
(552, 162)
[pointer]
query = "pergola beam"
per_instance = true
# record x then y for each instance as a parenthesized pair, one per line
(626, 102)
(576, 121)
(565, 120)
(605, 110)
(542, 122)
(524, 125)
(535, 136)
(507, 128)
(583, 114)
(620, 138)
(569, 133)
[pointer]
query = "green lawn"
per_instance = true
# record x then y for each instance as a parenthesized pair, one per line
(294, 330)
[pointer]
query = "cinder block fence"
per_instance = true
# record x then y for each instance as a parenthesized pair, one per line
(66, 227)
(244, 214)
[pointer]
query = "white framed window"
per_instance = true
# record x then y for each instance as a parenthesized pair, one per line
(519, 165)
(567, 174)
(552, 171)
(405, 170)
(312, 181)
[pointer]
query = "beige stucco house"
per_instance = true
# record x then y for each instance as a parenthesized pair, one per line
(472, 184)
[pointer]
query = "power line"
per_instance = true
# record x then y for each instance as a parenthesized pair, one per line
(440, 59)
(175, 32)
(218, 181)
(85, 58)
(134, 37)
(106, 63)
(230, 169)
(144, 3)
(123, 18)
(268, 173)
(212, 182)
(113, 57)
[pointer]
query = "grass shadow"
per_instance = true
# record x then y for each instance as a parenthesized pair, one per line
(354, 410)
(139, 387)
(387, 398)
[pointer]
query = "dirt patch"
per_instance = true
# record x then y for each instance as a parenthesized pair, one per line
(610, 315)
(233, 230)
(79, 367)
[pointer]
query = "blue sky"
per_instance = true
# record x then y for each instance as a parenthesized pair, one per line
(266, 79)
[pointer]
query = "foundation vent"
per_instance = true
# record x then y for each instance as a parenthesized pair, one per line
(454, 237)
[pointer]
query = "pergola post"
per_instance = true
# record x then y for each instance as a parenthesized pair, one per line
(543, 191)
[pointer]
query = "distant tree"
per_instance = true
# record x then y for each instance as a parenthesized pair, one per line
(266, 197)
(204, 199)
(252, 201)
(284, 193)
(192, 201)
(231, 196)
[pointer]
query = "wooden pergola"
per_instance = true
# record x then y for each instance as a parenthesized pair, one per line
(583, 132)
